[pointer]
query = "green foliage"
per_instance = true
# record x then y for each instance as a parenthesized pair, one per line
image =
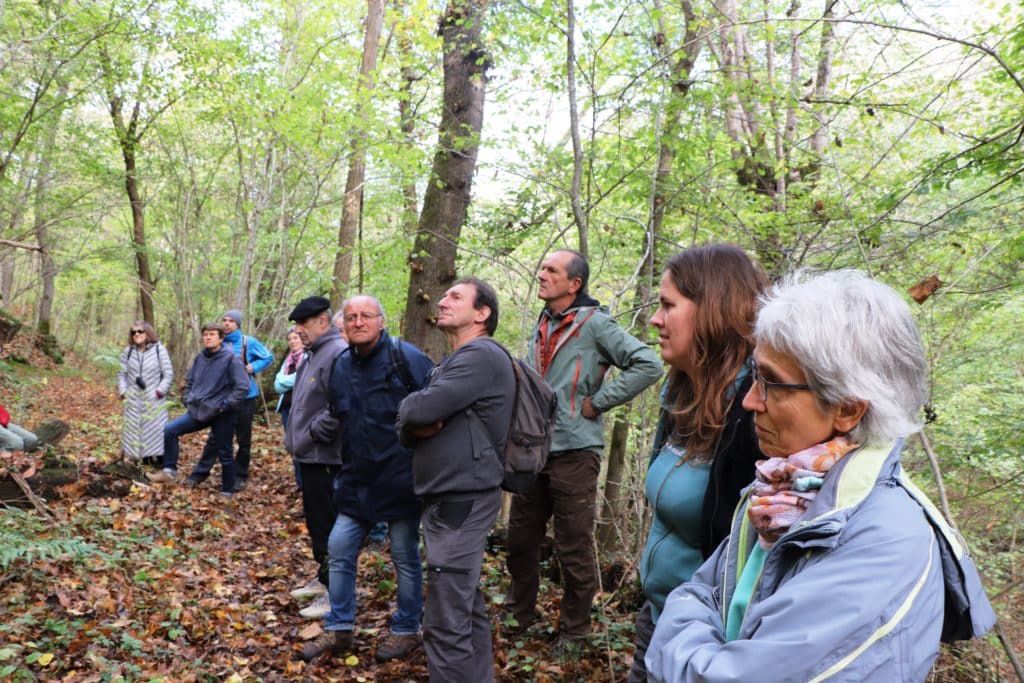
(21, 542)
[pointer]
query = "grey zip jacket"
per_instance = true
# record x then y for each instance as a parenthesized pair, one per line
(861, 589)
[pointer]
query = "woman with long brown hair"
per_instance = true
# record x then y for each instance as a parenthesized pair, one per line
(704, 450)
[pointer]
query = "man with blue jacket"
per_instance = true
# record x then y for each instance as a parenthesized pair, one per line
(214, 390)
(368, 381)
(255, 358)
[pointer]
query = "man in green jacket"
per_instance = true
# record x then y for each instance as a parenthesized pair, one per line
(573, 345)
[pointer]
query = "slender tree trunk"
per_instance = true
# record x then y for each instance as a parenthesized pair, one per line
(446, 201)
(822, 81)
(614, 505)
(352, 208)
(18, 202)
(128, 141)
(574, 128)
(406, 115)
(47, 271)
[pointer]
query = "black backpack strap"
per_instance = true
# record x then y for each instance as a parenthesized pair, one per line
(158, 363)
(401, 365)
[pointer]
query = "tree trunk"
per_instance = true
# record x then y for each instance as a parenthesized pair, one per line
(448, 192)
(614, 505)
(47, 271)
(352, 208)
(129, 142)
(578, 215)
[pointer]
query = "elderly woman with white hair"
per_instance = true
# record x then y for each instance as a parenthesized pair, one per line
(837, 567)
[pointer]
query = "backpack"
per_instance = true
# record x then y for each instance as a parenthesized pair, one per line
(528, 442)
(400, 364)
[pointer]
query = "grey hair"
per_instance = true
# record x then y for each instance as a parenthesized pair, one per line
(855, 340)
(380, 306)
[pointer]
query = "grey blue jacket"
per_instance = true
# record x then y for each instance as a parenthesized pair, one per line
(375, 483)
(256, 355)
(312, 433)
(589, 344)
(217, 383)
(471, 392)
(152, 365)
(861, 589)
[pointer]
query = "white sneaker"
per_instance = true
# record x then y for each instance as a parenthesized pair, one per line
(318, 609)
(310, 590)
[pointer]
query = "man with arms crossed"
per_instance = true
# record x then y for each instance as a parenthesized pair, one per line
(457, 427)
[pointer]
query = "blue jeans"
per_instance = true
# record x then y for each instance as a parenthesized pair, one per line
(221, 430)
(343, 548)
(242, 430)
(17, 438)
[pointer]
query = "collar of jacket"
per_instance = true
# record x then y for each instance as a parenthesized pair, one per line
(209, 353)
(326, 337)
(581, 301)
(233, 337)
(382, 343)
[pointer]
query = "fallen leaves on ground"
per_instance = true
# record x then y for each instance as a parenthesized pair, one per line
(180, 586)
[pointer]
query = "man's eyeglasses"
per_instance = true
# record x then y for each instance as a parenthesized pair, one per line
(365, 317)
(134, 332)
(765, 384)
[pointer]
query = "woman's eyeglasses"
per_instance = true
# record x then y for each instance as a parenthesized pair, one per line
(134, 332)
(765, 384)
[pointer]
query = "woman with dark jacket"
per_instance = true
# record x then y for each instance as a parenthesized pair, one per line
(143, 382)
(704, 450)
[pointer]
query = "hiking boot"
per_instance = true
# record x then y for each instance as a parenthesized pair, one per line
(241, 484)
(397, 647)
(164, 476)
(568, 647)
(318, 609)
(227, 496)
(335, 643)
(192, 483)
(310, 590)
(51, 432)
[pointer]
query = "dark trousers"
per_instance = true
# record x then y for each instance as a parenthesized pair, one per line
(220, 432)
(456, 630)
(318, 507)
(567, 490)
(243, 433)
(644, 631)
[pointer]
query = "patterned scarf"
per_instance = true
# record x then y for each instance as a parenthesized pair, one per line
(785, 487)
(294, 358)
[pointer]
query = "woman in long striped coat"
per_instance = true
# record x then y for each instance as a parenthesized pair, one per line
(143, 382)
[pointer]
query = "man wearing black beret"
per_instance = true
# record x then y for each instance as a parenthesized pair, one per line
(312, 438)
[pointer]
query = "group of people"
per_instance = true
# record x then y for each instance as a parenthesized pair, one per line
(786, 541)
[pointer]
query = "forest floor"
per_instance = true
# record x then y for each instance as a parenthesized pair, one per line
(170, 583)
